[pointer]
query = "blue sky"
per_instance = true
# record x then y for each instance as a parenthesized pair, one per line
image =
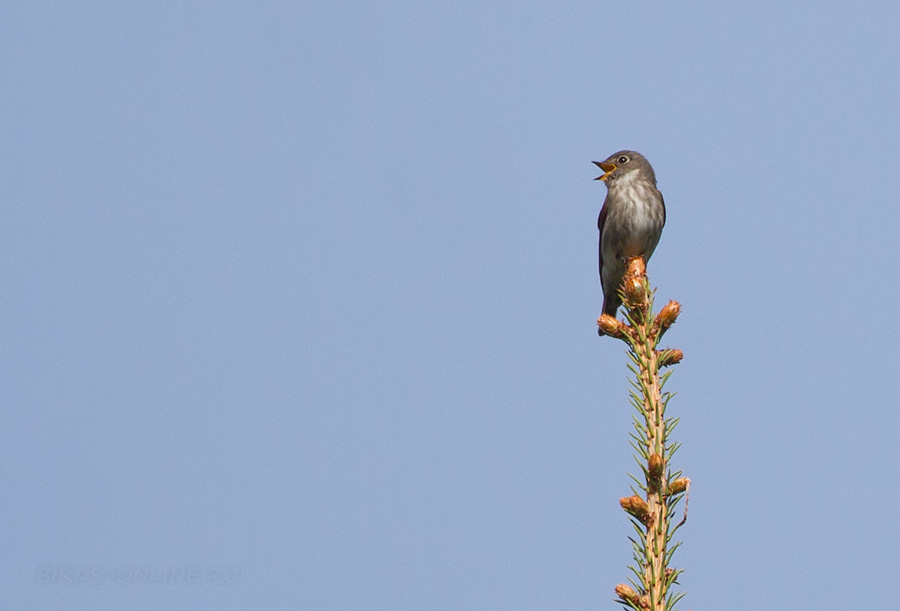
(300, 298)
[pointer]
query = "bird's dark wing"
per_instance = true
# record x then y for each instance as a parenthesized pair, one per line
(663, 202)
(601, 221)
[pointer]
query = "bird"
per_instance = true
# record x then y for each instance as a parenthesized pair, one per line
(631, 220)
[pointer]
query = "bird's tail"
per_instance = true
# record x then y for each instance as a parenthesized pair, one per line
(611, 304)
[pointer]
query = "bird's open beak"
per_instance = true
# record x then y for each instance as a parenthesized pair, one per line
(608, 168)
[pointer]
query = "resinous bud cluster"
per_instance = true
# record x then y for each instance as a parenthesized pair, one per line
(610, 325)
(670, 356)
(627, 593)
(637, 507)
(655, 466)
(678, 486)
(666, 317)
(634, 285)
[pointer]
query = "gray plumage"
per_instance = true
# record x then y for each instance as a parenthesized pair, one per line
(630, 222)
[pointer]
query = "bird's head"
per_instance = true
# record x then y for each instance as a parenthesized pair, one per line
(624, 163)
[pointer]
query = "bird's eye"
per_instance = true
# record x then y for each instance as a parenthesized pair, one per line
(623, 159)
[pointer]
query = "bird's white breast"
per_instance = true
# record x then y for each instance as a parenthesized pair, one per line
(636, 199)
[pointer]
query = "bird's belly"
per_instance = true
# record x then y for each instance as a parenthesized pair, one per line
(639, 235)
(640, 241)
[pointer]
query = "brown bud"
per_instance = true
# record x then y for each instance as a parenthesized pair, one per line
(655, 466)
(637, 507)
(626, 592)
(654, 472)
(634, 284)
(610, 325)
(636, 267)
(669, 356)
(667, 316)
(679, 485)
(635, 291)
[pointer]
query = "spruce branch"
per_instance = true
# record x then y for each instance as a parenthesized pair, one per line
(653, 505)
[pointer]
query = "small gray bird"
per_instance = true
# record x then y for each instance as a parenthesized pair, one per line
(631, 220)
